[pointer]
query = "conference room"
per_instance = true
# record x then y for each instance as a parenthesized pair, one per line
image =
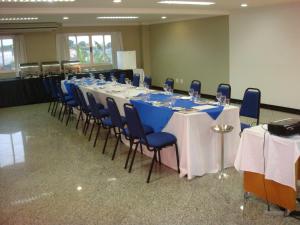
(149, 112)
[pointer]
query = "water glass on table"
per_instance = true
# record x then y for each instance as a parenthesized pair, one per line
(196, 97)
(218, 97)
(166, 87)
(191, 92)
(223, 100)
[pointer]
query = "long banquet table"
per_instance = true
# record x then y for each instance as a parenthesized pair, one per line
(199, 147)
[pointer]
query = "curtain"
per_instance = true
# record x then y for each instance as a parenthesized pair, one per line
(117, 45)
(19, 51)
(62, 48)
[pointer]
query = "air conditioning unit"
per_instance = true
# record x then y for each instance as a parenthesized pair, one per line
(14, 28)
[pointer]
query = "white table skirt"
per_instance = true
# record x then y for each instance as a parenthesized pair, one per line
(199, 147)
(270, 155)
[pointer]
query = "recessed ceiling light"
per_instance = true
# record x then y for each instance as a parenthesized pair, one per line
(65, 18)
(163, 17)
(18, 18)
(187, 2)
(117, 1)
(244, 5)
(36, 1)
(117, 17)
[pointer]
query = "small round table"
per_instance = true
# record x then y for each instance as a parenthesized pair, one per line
(222, 129)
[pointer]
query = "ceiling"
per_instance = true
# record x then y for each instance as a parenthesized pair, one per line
(84, 12)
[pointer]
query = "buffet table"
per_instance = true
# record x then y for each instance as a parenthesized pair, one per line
(270, 165)
(16, 92)
(199, 146)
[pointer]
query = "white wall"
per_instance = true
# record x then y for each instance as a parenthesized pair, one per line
(265, 53)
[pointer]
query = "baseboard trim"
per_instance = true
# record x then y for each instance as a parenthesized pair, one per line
(239, 101)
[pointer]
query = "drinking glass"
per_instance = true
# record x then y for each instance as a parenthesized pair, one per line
(227, 101)
(218, 96)
(196, 97)
(223, 100)
(191, 92)
(166, 87)
(172, 102)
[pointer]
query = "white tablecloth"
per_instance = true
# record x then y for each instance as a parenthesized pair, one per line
(274, 156)
(199, 147)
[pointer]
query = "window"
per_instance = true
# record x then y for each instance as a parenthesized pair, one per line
(90, 49)
(7, 59)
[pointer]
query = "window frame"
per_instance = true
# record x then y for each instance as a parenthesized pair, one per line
(12, 37)
(91, 48)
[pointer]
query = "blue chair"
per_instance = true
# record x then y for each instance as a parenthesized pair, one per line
(154, 142)
(136, 80)
(122, 78)
(98, 112)
(170, 82)
(116, 122)
(196, 86)
(84, 109)
(225, 89)
(69, 107)
(54, 95)
(250, 106)
(148, 81)
(65, 101)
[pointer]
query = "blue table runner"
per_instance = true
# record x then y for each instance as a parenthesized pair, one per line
(158, 117)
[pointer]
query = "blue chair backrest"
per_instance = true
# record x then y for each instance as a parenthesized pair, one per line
(148, 80)
(196, 86)
(74, 93)
(251, 104)
(114, 113)
(60, 92)
(93, 105)
(82, 101)
(170, 82)
(121, 79)
(136, 80)
(225, 89)
(134, 122)
(68, 88)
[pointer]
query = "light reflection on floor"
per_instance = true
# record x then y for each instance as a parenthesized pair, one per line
(11, 149)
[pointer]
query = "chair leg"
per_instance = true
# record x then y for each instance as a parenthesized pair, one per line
(84, 124)
(177, 158)
(69, 114)
(97, 134)
(108, 132)
(92, 129)
(63, 115)
(141, 148)
(132, 160)
(159, 158)
(49, 107)
(53, 107)
(56, 109)
(116, 146)
(80, 114)
(60, 111)
(129, 153)
(152, 163)
(87, 125)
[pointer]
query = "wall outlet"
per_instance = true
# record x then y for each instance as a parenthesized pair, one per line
(181, 81)
(176, 80)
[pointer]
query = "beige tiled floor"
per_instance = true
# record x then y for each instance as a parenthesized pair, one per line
(51, 174)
